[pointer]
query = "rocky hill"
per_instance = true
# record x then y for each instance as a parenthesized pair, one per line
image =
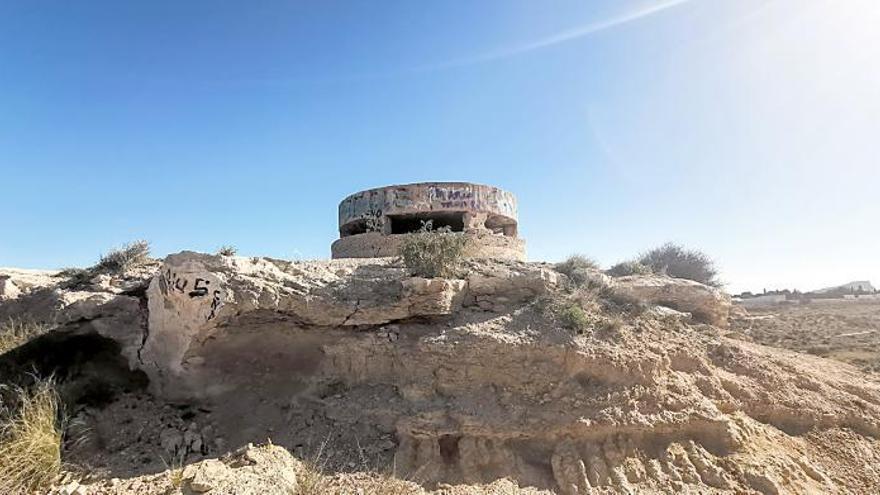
(480, 384)
(860, 286)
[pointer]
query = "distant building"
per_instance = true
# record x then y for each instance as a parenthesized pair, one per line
(858, 290)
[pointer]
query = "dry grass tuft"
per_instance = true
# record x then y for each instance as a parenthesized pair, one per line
(30, 439)
(310, 477)
(310, 480)
(175, 476)
(16, 331)
(174, 470)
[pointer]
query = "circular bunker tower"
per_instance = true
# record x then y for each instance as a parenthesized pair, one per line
(374, 222)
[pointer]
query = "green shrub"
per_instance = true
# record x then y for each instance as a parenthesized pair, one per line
(676, 261)
(129, 256)
(573, 317)
(626, 268)
(578, 268)
(433, 253)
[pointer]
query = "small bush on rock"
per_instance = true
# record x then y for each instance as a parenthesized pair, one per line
(574, 310)
(626, 268)
(116, 262)
(30, 440)
(578, 268)
(433, 253)
(573, 317)
(127, 257)
(676, 261)
(227, 251)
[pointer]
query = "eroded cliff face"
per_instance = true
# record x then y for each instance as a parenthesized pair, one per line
(471, 380)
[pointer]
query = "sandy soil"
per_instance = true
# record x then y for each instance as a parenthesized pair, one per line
(843, 330)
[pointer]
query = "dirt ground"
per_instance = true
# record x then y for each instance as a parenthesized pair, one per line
(847, 331)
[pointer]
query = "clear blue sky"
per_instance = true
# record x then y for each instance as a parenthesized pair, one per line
(747, 128)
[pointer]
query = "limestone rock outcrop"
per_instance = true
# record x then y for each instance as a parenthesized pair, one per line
(496, 285)
(195, 296)
(706, 303)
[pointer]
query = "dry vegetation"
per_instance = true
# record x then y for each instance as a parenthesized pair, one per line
(578, 269)
(128, 256)
(30, 438)
(433, 253)
(669, 259)
(227, 250)
(587, 300)
(679, 262)
(590, 307)
(626, 268)
(312, 481)
(16, 331)
(115, 262)
(672, 260)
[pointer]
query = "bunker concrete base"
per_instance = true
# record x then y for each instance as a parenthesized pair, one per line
(378, 245)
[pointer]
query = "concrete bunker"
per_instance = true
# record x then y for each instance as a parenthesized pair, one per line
(374, 222)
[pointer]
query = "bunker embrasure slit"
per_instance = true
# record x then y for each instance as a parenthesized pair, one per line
(407, 224)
